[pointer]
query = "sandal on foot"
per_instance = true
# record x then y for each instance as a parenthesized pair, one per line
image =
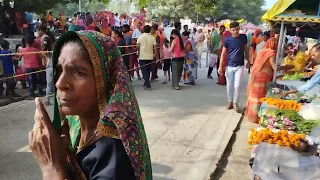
(236, 108)
(230, 106)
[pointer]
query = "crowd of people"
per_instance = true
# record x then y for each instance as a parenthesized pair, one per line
(35, 60)
(146, 48)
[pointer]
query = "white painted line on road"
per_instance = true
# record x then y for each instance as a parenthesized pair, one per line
(24, 149)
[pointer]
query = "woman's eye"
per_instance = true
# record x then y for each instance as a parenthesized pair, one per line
(78, 72)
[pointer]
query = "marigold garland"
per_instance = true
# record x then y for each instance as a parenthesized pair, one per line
(282, 104)
(281, 138)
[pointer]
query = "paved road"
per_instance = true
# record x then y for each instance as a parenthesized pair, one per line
(187, 131)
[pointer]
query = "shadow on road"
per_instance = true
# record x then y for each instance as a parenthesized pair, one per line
(161, 169)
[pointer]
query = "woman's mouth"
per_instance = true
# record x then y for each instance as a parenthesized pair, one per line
(65, 102)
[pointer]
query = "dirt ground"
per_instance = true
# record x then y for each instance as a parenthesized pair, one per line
(234, 163)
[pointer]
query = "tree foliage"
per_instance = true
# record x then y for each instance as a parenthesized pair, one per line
(236, 9)
(39, 6)
(119, 6)
(241, 9)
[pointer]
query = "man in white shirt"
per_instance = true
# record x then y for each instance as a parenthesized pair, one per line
(199, 40)
(146, 42)
(124, 21)
(116, 21)
(137, 32)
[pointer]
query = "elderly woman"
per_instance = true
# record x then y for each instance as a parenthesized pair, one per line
(102, 136)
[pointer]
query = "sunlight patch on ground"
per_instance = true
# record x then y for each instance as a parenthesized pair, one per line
(24, 149)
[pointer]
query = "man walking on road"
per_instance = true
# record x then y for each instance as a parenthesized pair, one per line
(146, 44)
(235, 46)
(215, 43)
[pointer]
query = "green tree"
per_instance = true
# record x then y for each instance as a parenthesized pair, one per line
(175, 9)
(241, 9)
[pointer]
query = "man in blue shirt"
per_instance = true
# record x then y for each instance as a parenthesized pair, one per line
(7, 64)
(29, 19)
(234, 47)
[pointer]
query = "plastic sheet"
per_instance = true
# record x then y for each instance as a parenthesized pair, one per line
(310, 111)
(282, 163)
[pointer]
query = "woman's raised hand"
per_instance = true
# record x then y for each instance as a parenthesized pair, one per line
(47, 145)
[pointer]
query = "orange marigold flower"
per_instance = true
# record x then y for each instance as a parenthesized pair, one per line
(288, 144)
(279, 143)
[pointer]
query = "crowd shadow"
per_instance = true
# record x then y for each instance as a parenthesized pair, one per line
(161, 169)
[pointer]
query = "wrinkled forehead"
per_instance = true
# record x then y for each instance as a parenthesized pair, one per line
(101, 49)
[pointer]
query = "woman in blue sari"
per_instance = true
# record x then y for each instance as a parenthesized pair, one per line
(191, 60)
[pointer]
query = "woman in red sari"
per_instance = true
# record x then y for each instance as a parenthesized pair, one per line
(222, 78)
(261, 75)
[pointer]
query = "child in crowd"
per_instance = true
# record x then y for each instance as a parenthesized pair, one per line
(31, 64)
(21, 69)
(134, 60)
(46, 45)
(167, 61)
(8, 71)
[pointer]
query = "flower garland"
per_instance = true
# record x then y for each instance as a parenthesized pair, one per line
(282, 104)
(281, 138)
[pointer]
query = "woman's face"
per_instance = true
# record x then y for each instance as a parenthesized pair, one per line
(174, 36)
(75, 81)
(185, 38)
(153, 31)
(315, 55)
(113, 35)
(40, 33)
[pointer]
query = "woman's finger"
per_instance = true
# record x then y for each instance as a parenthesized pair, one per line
(44, 117)
(65, 127)
(65, 135)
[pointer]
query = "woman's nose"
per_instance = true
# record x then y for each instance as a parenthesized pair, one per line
(62, 82)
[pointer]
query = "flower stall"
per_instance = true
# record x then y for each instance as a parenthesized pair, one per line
(285, 126)
(286, 144)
